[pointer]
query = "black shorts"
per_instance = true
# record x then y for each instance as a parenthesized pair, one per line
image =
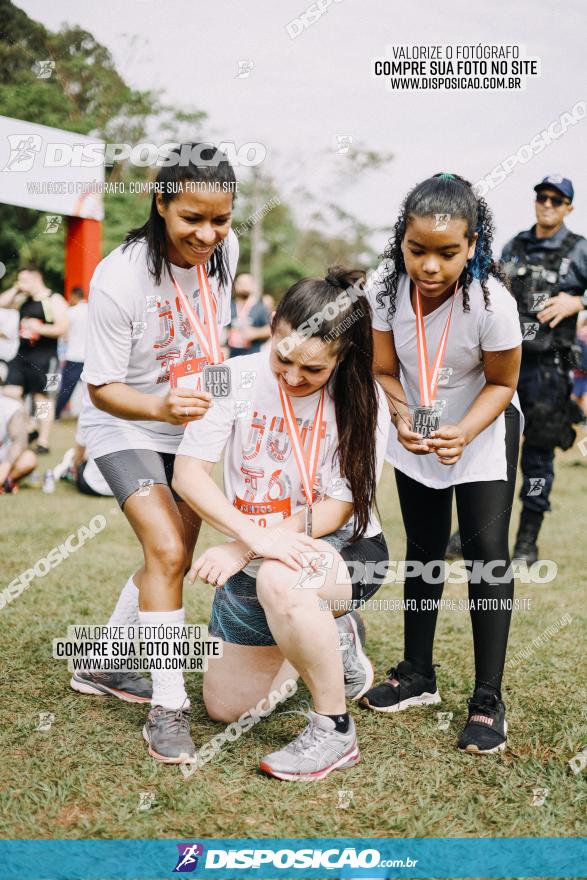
(31, 374)
(367, 564)
(134, 470)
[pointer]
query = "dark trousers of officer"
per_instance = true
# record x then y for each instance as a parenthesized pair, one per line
(541, 378)
(70, 376)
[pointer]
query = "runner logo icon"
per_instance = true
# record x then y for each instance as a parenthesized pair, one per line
(187, 860)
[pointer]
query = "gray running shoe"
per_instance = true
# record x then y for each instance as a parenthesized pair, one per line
(315, 753)
(127, 686)
(358, 671)
(168, 735)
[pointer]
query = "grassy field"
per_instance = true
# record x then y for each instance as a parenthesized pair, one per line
(84, 777)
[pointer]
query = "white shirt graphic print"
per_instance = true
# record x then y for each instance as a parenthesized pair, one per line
(492, 329)
(261, 476)
(136, 330)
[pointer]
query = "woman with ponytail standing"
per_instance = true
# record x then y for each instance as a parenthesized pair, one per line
(304, 437)
(447, 351)
(156, 305)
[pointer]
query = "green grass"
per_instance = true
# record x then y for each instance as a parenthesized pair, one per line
(83, 777)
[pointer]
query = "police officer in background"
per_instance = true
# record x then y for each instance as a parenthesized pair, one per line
(547, 266)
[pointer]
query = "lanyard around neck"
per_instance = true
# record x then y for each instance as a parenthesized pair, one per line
(306, 460)
(207, 333)
(428, 378)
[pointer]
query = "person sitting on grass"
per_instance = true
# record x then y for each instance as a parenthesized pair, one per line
(16, 460)
(303, 436)
(78, 468)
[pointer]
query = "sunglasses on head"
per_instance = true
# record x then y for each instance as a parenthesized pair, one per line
(555, 201)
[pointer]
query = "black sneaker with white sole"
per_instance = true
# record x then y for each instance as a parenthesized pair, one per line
(485, 732)
(404, 687)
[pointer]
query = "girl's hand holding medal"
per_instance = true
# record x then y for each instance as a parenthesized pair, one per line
(410, 440)
(448, 442)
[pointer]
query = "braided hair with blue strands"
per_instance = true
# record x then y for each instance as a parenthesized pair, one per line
(453, 195)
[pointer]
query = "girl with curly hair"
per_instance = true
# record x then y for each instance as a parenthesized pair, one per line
(447, 345)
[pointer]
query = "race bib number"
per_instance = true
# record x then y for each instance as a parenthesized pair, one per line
(264, 513)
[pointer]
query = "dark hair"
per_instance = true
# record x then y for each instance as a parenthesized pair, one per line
(29, 267)
(217, 169)
(453, 195)
(353, 389)
(77, 291)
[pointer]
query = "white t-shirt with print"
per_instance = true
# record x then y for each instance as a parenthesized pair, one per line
(496, 328)
(136, 328)
(260, 471)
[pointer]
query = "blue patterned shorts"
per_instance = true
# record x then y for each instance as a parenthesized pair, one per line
(238, 617)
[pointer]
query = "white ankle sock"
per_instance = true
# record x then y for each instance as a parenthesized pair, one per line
(168, 686)
(126, 610)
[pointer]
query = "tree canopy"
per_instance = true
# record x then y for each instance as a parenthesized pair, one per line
(85, 93)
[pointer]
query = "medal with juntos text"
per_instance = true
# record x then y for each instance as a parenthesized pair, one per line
(426, 416)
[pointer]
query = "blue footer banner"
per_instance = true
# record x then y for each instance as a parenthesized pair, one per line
(369, 857)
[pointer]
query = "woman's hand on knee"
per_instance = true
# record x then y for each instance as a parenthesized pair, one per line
(219, 563)
(294, 549)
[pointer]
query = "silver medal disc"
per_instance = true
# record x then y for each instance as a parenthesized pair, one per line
(216, 380)
(425, 419)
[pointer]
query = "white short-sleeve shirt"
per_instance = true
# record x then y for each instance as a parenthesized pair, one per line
(496, 328)
(136, 329)
(8, 407)
(260, 472)
(77, 332)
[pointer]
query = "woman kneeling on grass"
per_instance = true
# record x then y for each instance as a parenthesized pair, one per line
(306, 423)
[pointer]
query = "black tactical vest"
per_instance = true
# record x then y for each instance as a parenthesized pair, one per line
(534, 283)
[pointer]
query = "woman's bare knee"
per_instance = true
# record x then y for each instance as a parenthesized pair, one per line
(218, 709)
(166, 555)
(276, 584)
